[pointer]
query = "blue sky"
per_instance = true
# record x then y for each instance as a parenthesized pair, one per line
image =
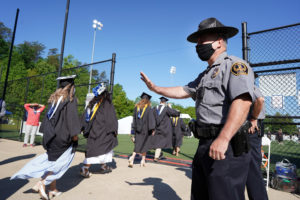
(148, 36)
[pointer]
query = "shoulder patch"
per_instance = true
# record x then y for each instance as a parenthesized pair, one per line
(239, 68)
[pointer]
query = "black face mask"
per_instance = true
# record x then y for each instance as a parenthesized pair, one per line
(205, 51)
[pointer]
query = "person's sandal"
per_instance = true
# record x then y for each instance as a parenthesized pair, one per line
(143, 163)
(53, 194)
(42, 191)
(84, 171)
(130, 162)
(105, 169)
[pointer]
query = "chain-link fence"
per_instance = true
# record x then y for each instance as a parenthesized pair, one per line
(37, 89)
(274, 54)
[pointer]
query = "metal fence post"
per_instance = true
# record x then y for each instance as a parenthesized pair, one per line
(245, 41)
(10, 54)
(61, 60)
(112, 72)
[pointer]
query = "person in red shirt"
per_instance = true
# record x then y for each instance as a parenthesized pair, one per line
(34, 111)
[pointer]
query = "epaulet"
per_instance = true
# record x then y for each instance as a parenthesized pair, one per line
(237, 59)
(227, 57)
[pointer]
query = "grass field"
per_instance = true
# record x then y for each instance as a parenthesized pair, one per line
(287, 150)
(125, 146)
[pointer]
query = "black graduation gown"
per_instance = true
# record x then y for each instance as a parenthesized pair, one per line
(102, 138)
(163, 131)
(59, 130)
(143, 130)
(178, 131)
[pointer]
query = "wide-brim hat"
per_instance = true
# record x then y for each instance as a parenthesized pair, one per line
(212, 25)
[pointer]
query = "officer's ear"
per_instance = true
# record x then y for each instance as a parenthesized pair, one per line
(222, 42)
(218, 43)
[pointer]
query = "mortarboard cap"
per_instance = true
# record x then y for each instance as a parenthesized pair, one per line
(145, 96)
(163, 99)
(66, 80)
(99, 89)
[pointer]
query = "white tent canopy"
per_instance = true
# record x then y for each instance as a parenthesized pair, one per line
(124, 125)
(185, 116)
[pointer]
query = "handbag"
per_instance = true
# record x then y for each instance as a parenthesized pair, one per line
(285, 176)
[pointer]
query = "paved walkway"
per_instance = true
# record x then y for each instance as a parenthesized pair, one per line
(155, 181)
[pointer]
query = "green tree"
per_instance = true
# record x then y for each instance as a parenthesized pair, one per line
(53, 58)
(5, 37)
(124, 107)
(273, 126)
(30, 53)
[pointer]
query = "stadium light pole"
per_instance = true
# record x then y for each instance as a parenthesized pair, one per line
(96, 25)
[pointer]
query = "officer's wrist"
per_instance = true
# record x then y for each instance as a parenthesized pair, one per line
(156, 89)
(253, 118)
(224, 137)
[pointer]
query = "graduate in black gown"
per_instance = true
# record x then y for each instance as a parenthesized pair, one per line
(60, 127)
(163, 132)
(143, 127)
(100, 125)
(179, 129)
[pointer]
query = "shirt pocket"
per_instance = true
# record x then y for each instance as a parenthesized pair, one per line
(212, 93)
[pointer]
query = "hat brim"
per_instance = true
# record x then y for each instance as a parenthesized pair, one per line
(227, 31)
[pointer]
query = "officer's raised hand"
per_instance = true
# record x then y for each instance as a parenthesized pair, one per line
(147, 81)
(173, 92)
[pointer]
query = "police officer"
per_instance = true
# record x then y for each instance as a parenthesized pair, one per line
(255, 186)
(223, 95)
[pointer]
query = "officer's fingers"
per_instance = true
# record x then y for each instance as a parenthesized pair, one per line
(144, 76)
(222, 157)
(214, 154)
(252, 130)
(218, 156)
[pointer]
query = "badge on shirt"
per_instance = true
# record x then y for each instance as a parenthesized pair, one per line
(215, 72)
(239, 69)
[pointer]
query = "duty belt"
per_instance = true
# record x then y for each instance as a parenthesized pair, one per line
(208, 131)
